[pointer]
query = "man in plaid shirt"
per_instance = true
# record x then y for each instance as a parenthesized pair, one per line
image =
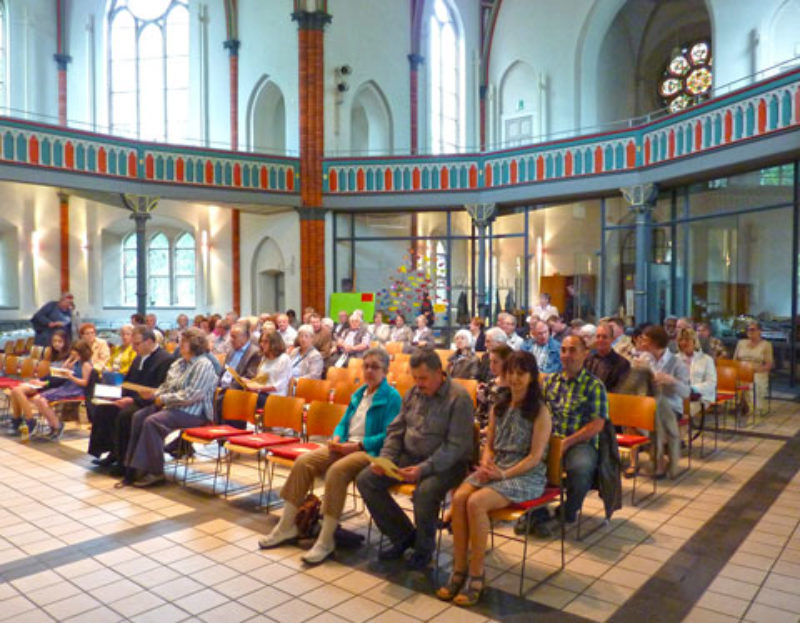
(579, 404)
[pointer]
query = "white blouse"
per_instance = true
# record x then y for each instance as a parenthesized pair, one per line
(278, 372)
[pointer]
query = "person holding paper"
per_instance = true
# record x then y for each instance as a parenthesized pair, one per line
(512, 470)
(111, 424)
(431, 441)
(358, 436)
(241, 363)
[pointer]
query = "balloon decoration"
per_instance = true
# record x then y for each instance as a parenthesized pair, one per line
(409, 283)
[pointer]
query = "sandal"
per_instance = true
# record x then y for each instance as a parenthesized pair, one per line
(471, 592)
(453, 586)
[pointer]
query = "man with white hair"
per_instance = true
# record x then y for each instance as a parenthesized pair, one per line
(587, 333)
(508, 324)
(546, 350)
(354, 341)
(286, 330)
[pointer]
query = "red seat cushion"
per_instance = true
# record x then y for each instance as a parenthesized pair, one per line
(7, 383)
(220, 431)
(257, 441)
(726, 395)
(294, 450)
(550, 494)
(626, 441)
(683, 421)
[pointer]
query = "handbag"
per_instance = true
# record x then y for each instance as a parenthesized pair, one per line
(308, 515)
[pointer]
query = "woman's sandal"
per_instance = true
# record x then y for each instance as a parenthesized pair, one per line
(453, 586)
(471, 592)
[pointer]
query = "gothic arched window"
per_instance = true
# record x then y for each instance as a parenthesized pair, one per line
(148, 68)
(171, 270)
(445, 62)
(686, 80)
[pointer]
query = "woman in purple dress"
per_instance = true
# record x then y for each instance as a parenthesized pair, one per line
(77, 381)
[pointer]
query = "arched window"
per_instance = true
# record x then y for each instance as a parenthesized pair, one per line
(184, 270)
(3, 100)
(171, 270)
(446, 79)
(129, 271)
(148, 43)
(686, 81)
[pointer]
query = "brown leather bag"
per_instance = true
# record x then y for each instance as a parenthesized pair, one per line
(308, 515)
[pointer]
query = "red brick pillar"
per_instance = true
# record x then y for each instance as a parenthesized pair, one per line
(232, 45)
(311, 30)
(414, 61)
(62, 60)
(63, 222)
(236, 263)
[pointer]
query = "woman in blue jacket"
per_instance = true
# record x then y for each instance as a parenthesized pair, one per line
(358, 436)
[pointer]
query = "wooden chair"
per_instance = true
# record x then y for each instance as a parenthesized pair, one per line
(399, 368)
(357, 366)
(280, 412)
(237, 405)
(42, 369)
(403, 357)
(28, 345)
(394, 348)
(404, 385)
(19, 346)
(313, 389)
(321, 420)
(637, 412)
(171, 347)
(554, 491)
(340, 375)
(343, 392)
(48, 353)
(37, 352)
(471, 385)
(444, 356)
(727, 391)
(27, 368)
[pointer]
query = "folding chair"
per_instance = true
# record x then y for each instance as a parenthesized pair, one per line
(394, 348)
(343, 392)
(403, 386)
(280, 412)
(554, 491)
(444, 356)
(340, 375)
(727, 391)
(237, 405)
(638, 412)
(313, 389)
(471, 385)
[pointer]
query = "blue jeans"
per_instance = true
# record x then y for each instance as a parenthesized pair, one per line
(580, 463)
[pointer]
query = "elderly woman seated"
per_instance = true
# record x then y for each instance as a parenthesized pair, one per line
(98, 346)
(463, 364)
(307, 362)
(512, 470)
(183, 400)
(358, 436)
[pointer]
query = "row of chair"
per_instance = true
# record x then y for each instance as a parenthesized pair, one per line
(20, 346)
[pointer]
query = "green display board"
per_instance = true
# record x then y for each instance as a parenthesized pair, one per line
(351, 301)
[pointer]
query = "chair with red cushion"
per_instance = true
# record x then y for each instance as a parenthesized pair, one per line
(636, 412)
(237, 405)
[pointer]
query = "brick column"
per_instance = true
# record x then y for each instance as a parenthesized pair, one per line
(311, 30)
(232, 45)
(61, 61)
(63, 222)
(236, 264)
(414, 61)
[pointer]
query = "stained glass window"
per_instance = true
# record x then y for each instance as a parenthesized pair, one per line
(446, 79)
(687, 77)
(170, 270)
(148, 46)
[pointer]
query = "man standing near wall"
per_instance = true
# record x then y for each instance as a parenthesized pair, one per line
(51, 316)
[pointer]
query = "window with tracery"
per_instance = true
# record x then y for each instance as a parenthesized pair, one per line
(446, 79)
(148, 44)
(687, 79)
(171, 270)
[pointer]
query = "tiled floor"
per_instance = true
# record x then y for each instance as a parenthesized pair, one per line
(72, 547)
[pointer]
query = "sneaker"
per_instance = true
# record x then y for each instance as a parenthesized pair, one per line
(277, 538)
(57, 432)
(396, 550)
(149, 480)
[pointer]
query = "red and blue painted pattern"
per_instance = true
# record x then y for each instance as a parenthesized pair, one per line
(50, 147)
(767, 107)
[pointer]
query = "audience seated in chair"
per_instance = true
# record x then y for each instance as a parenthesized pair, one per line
(463, 364)
(512, 469)
(307, 362)
(358, 436)
(183, 400)
(431, 441)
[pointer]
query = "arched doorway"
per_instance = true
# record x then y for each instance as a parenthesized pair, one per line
(268, 277)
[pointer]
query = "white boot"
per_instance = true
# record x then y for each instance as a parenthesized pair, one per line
(325, 543)
(285, 530)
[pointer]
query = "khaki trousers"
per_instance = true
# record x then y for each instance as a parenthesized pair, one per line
(339, 471)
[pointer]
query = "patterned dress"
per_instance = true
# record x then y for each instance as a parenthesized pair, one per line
(67, 390)
(512, 443)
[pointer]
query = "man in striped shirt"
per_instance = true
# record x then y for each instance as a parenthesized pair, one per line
(183, 400)
(579, 404)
